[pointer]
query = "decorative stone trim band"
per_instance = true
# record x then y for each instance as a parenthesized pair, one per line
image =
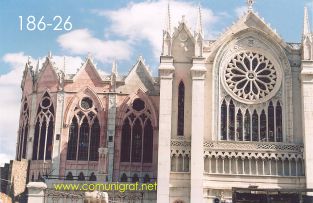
(242, 146)
(254, 146)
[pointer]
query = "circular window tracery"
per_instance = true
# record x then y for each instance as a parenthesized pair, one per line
(86, 103)
(251, 77)
(138, 104)
(45, 103)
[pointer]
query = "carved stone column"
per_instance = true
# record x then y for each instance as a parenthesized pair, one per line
(56, 151)
(198, 72)
(166, 71)
(111, 123)
(32, 123)
(307, 111)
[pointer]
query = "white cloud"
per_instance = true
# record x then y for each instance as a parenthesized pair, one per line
(4, 158)
(10, 104)
(240, 11)
(145, 20)
(71, 63)
(82, 42)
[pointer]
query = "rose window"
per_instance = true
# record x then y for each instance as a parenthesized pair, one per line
(251, 77)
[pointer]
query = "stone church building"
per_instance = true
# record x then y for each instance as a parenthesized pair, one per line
(236, 111)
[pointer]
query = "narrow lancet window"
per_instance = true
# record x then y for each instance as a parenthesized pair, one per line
(239, 133)
(279, 123)
(263, 127)
(255, 126)
(247, 129)
(181, 109)
(224, 121)
(231, 129)
(271, 123)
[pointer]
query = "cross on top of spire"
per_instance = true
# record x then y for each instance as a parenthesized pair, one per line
(250, 4)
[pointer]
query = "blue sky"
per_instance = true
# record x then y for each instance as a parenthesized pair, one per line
(109, 30)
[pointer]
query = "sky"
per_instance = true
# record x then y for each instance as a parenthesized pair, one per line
(109, 30)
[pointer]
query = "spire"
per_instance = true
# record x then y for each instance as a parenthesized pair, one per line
(250, 5)
(306, 23)
(29, 60)
(50, 55)
(167, 27)
(113, 76)
(64, 64)
(37, 66)
(166, 46)
(199, 29)
(114, 67)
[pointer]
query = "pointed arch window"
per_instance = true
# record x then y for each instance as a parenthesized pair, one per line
(84, 133)
(137, 137)
(181, 109)
(23, 131)
(42, 146)
(250, 95)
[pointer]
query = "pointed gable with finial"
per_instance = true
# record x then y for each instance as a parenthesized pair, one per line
(249, 22)
(139, 77)
(47, 76)
(183, 43)
(88, 75)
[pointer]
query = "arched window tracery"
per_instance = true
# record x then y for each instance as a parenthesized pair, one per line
(23, 131)
(84, 132)
(254, 125)
(137, 136)
(251, 108)
(42, 146)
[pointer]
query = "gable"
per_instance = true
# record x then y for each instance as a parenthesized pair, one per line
(48, 78)
(183, 46)
(138, 78)
(88, 75)
(249, 22)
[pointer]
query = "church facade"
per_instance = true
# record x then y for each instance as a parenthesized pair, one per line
(232, 112)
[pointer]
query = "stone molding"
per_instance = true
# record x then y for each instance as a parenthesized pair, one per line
(249, 149)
